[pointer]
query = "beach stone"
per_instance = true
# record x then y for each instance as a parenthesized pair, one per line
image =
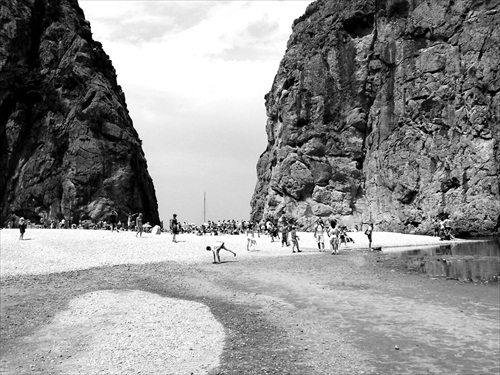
(391, 111)
(69, 148)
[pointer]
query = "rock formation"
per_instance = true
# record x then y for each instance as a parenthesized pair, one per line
(387, 111)
(68, 146)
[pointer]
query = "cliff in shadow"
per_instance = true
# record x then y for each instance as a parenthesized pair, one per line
(388, 112)
(68, 146)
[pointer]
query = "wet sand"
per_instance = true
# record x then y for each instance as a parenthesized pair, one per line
(271, 311)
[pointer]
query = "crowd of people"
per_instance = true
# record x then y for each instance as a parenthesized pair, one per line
(220, 227)
(283, 230)
(336, 233)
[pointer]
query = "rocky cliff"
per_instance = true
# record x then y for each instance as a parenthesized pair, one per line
(68, 146)
(387, 111)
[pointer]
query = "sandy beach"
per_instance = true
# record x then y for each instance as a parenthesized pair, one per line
(85, 302)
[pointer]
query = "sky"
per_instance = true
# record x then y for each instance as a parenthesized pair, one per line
(194, 74)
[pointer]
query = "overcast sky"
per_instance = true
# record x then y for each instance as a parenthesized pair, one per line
(194, 75)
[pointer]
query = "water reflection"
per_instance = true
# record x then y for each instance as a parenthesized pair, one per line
(466, 261)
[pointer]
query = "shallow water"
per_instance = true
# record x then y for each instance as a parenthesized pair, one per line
(465, 261)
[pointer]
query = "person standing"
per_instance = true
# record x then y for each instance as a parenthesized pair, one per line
(112, 220)
(284, 235)
(138, 225)
(130, 221)
(22, 227)
(436, 228)
(441, 229)
(295, 239)
(272, 230)
(174, 227)
(369, 232)
(319, 231)
(251, 242)
(334, 234)
(343, 235)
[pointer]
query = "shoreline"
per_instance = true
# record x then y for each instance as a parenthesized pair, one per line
(57, 250)
(113, 303)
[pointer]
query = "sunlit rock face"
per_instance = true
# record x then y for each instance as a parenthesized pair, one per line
(388, 112)
(68, 146)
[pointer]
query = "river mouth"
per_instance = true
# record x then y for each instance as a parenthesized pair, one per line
(476, 261)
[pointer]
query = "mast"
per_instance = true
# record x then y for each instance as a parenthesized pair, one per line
(204, 207)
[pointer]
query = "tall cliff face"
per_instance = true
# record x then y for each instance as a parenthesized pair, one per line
(387, 111)
(68, 145)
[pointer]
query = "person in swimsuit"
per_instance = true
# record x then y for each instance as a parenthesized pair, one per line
(138, 225)
(335, 238)
(319, 234)
(369, 233)
(216, 249)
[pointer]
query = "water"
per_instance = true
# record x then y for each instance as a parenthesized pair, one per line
(465, 261)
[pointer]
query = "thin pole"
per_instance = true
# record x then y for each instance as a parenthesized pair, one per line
(204, 206)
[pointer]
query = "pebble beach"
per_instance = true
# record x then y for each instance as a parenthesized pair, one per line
(57, 250)
(97, 302)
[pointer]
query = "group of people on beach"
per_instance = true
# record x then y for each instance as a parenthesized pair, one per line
(443, 229)
(337, 234)
(284, 227)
